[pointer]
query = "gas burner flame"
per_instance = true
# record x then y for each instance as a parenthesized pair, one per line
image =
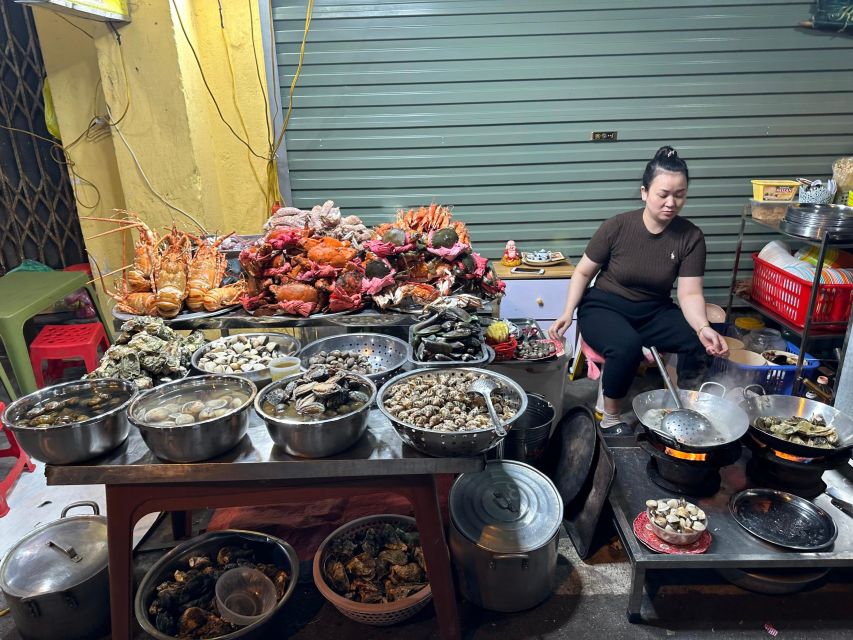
(675, 453)
(788, 456)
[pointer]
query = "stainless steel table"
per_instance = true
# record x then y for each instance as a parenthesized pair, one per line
(257, 472)
(731, 546)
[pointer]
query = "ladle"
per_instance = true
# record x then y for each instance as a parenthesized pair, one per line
(686, 426)
(485, 386)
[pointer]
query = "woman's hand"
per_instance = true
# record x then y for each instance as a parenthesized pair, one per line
(713, 342)
(560, 326)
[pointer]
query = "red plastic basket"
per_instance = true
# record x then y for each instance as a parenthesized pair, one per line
(788, 295)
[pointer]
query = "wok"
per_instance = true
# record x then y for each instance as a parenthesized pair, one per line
(788, 406)
(729, 421)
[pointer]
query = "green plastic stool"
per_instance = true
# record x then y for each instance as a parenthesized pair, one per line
(23, 294)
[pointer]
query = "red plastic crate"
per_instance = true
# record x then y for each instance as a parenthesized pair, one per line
(788, 295)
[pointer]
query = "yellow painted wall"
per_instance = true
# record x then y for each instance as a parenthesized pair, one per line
(172, 127)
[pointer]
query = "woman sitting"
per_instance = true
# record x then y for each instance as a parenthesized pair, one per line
(637, 257)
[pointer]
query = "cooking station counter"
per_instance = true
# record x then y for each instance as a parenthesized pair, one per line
(731, 546)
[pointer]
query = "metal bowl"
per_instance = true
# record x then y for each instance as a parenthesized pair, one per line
(386, 353)
(316, 438)
(676, 538)
(200, 440)
(77, 441)
(452, 443)
(486, 356)
(288, 346)
(268, 549)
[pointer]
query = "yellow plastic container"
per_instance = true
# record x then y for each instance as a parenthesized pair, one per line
(775, 190)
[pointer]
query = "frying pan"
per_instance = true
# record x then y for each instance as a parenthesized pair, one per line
(788, 406)
(730, 422)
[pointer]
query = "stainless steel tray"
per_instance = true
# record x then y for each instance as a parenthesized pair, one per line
(783, 519)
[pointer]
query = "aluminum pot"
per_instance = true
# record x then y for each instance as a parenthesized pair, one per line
(56, 581)
(505, 524)
(76, 441)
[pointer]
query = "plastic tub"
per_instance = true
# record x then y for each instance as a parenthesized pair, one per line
(775, 379)
(244, 596)
(775, 190)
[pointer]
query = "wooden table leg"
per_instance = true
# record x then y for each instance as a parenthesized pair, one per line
(182, 524)
(120, 521)
(436, 555)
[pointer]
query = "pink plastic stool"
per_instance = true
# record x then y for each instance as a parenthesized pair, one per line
(22, 463)
(67, 342)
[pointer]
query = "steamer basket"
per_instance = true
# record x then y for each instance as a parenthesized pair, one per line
(379, 615)
(386, 353)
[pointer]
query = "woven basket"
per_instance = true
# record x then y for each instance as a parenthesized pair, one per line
(378, 615)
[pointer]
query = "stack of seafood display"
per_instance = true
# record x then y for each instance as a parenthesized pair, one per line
(176, 272)
(377, 565)
(320, 262)
(148, 353)
(185, 607)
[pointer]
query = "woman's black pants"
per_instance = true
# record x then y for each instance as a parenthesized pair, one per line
(618, 329)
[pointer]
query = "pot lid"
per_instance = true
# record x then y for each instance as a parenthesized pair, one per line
(509, 507)
(56, 557)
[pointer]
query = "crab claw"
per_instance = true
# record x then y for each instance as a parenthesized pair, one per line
(372, 286)
(316, 271)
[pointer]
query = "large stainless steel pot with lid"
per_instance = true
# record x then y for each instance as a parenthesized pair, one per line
(505, 523)
(56, 580)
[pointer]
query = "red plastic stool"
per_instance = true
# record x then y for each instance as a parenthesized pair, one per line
(22, 463)
(67, 342)
(83, 266)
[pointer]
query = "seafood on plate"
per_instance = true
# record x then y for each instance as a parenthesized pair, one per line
(319, 393)
(813, 432)
(447, 335)
(346, 359)
(167, 275)
(440, 401)
(241, 354)
(380, 564)
(148, 353)
(185, 605)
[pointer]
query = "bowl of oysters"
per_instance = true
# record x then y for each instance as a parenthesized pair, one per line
(318, 412)
(676, 521)
(195, 418)
(247, 355)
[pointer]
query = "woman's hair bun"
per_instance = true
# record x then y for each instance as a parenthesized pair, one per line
(666, 159)
(666, 152)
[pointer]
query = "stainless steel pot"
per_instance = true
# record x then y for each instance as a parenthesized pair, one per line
(76, 441)
(56, 581)
(528, 438)
(505, 524)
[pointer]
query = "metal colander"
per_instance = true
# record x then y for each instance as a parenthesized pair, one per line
(444, 444)
(386, 353)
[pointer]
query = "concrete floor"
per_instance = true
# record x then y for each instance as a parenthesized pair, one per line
(589, 602)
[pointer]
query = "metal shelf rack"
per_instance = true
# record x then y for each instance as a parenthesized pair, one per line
(811, 330)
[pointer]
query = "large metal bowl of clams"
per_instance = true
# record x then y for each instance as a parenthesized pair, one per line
(374, 355)
(195, 418)
(432, 411)
(246, 355)
(317, 413)
(73, 421)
